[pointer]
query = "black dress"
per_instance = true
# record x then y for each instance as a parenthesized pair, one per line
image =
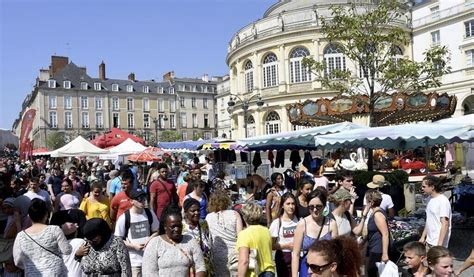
(301, 210)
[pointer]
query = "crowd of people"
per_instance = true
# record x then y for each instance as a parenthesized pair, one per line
(79, 218)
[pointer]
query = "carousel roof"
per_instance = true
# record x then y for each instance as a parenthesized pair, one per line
(389, 109)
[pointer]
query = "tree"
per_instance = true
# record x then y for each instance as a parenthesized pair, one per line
(55, 140)
(169, 135)
(197, 135)
(370, 35)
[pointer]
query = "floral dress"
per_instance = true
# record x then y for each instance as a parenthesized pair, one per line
(202, 236)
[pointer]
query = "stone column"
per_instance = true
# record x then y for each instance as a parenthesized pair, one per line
(282, 69)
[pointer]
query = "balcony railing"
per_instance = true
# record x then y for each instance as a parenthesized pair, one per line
(439, 15)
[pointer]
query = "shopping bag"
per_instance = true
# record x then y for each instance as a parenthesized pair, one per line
(389, 269)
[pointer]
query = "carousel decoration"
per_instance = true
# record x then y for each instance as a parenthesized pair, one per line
(389, 109)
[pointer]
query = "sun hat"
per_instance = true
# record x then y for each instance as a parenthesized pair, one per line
(378, 181)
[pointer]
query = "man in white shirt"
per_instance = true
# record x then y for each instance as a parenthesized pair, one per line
(23, 202)
(438, 214)
(137, 227)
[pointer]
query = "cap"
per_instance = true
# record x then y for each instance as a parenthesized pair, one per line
(341, 195)
(137, 194)
(378, 181)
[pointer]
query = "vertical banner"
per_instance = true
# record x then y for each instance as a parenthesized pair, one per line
(26, 127)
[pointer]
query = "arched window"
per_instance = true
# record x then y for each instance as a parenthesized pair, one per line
(251, 126)
(248, 73)
(397, 54)
(333, 59)
(270, 70)
(298, 73)
(272, 123)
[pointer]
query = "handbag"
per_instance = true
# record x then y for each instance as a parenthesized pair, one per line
(233, 262)
(6, 250)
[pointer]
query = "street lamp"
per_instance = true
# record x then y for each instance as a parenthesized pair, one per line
(245, 105)
(158, 126)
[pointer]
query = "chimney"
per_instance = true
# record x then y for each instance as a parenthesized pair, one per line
(205, 78)
(168, 76)
(102, 71)
(131, 77)
(57, 63)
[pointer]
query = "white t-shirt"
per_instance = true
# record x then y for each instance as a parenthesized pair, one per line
(285, 231)
(138, 233)
(73, 267)
(435, 209)
(343, 225)
(387, 202)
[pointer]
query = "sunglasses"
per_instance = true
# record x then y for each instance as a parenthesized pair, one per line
(318, 268)
(317, 207)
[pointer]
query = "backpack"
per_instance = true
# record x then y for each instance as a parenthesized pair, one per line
(127, 221)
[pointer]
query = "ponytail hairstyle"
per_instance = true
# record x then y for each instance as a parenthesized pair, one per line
(285, 197)
(343, 251)
(435, 253)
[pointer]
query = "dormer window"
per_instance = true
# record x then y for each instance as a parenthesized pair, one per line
(160, 90)
(67, 84)
(84, 86)
(129, 88)
(171, 91)
(146, 89)
(97, 86)
(51, 83)
(115, 87)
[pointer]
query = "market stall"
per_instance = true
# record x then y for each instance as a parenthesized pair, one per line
(78, 147)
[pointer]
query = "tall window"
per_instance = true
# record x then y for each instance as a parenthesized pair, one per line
(98, 103)
(172, 121)
(469, 25)
(116, 120)
(146, 89)
(333, 59)
(397, 54)
(434, 12)
(53, 119)
(184, 135)
(115, 104)
(272, 123)
(207, 135)
(129, 88)
(115, 87)
(435, 38)
(470, 58)
(68, 120)
(146, 120)
(97, 86)
(183, 120)
(172, 105)
(251, 131)
(52, 102)
(161, 105)
(99, 120)
(298, 73)
(85, 120)
(161, 121)
(84, 86)
(181, 102)
(67, 84)
(51, 83)
(195, 120)
(84, 102)
(130, 120)
(193, 102)
(67, 102)
(204, 103)
(248, 73)
(146, 104)
(206, 120)
(270, 70)
(130, 105)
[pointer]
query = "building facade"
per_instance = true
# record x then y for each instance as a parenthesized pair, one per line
(68, 100)
(449, 23)
(224, 128)
(265, 62)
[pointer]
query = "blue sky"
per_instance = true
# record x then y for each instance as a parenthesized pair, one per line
(148, 37)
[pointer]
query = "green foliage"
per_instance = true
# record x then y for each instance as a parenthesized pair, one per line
(170, 136)
(197, 135)
(370, 35)
(395, 178)
(55, 140)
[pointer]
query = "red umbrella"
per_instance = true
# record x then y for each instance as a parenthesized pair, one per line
(114, 138)
(143, 157)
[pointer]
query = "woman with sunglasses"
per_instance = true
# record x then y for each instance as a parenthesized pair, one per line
(173, 254)
(333, 258)
(312, 228)
(282, 231)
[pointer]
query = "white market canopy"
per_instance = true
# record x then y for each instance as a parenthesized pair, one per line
(406, 136)
(127, 147)
(299, 139)
(78, 147)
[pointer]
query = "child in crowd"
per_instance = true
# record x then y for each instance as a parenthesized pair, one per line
(415, 256)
